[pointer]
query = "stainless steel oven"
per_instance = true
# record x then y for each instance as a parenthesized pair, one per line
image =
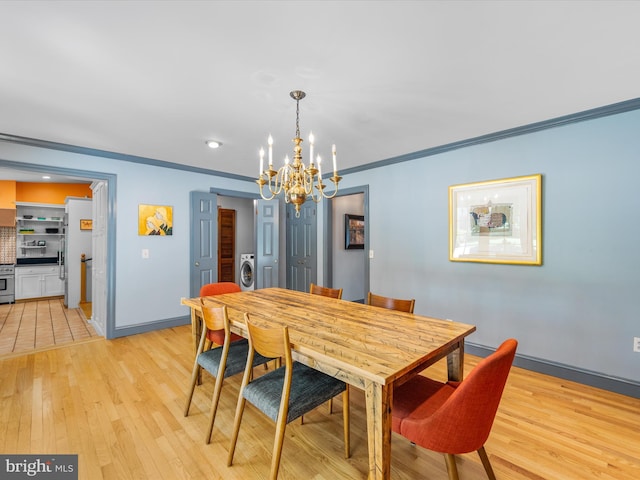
(7, 284)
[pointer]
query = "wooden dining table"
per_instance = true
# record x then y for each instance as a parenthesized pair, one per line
(368, 347)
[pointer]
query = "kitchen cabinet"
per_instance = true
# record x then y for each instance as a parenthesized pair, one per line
(38, 281)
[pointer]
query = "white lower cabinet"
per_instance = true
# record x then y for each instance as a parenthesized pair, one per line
(38, 281)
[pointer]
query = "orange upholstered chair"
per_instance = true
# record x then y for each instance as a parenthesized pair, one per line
(454, 417)
(210, 289)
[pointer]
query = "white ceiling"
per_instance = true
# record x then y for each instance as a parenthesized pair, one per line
(156, 79)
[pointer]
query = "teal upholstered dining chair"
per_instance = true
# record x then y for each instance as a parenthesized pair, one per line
(286, 393)
(223, 361)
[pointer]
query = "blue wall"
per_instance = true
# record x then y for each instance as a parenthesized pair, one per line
(581, 308)
(147, 291)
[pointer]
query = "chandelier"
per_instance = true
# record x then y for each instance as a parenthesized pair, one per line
(298, 181)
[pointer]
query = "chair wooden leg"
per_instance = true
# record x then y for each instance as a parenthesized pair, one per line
(195, 376)
(214, 406)
(346, 422)
(451, 466)
(236, 428)
(330, 406)
(486, 463)
(281, 425)
(207, 345)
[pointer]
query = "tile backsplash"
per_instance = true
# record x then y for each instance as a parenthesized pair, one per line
(7, 245)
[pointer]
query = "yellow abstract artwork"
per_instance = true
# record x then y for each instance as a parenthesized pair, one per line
(155, 220)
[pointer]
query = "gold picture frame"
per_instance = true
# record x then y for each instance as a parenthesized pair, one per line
(497, 221)
(86, 224)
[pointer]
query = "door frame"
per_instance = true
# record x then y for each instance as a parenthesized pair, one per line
(327, 224)
(90, 176)
(236, 194)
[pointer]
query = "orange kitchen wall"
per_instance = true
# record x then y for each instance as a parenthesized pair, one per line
(54, 193)
(8, 194)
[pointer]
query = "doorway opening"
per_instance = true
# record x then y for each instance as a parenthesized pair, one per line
(347, 268)
(103, 236)
(205, 236)
(236, 235)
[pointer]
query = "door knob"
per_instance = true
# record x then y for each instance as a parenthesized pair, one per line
(197, 264)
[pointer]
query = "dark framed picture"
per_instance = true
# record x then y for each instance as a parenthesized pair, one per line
(353, 232)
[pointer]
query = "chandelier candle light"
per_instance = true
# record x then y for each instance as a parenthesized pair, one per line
(297, 180)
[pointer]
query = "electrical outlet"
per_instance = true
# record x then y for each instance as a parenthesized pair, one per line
(145, 253)
(636, 344)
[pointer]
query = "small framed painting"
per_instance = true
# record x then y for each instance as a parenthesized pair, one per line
(86, 224)
(497, 221)
(155, 220)
(354, 232)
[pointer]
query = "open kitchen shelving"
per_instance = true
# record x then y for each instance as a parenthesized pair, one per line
(39, 230)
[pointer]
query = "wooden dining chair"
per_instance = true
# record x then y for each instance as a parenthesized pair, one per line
(325, 291)
(454, 417)
(286, 393)
(391, 303)
(223, 361)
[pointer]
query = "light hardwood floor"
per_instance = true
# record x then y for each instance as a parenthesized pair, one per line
(42, 324)
(118, 404)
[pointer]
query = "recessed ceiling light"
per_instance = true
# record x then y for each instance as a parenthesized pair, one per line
(214, 143)
(46, 177)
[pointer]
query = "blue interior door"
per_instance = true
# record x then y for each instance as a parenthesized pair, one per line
(204, 240)
(302, 247)
(267, 243)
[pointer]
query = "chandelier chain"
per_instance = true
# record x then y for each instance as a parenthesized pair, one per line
(297, 118)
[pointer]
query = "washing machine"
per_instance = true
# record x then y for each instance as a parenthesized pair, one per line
(247, 266)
